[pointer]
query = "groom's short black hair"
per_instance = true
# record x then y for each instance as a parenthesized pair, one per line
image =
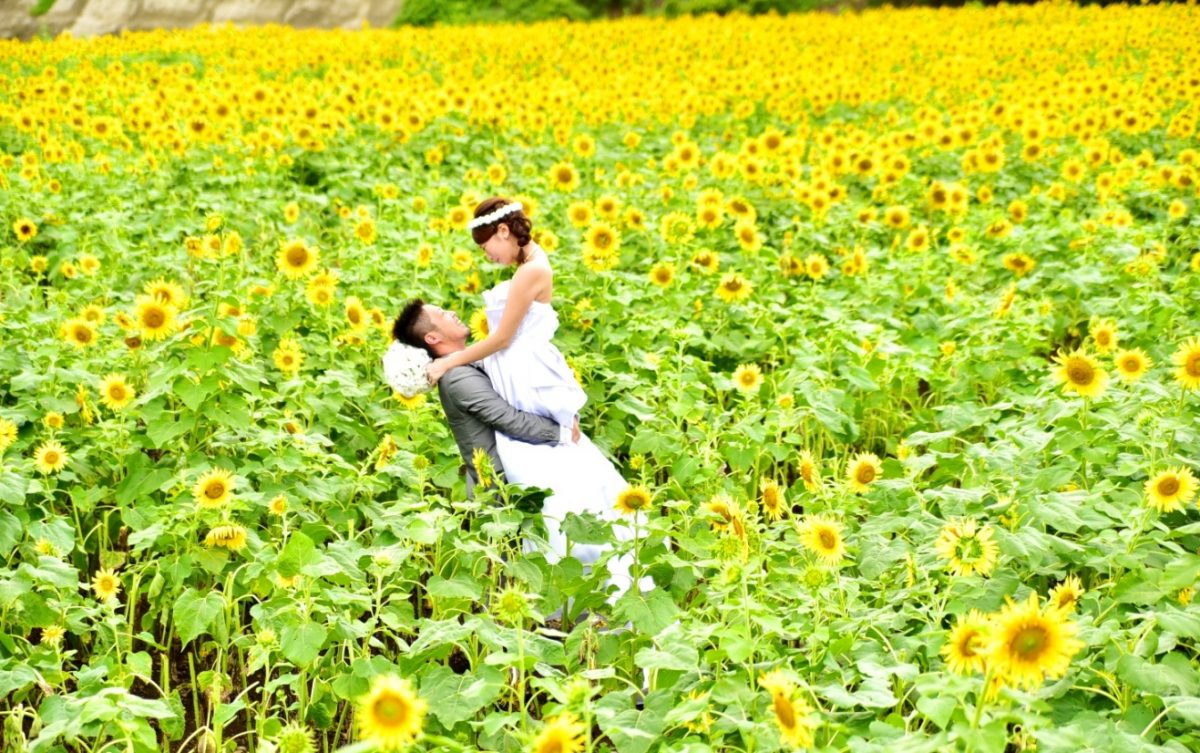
(412, 325)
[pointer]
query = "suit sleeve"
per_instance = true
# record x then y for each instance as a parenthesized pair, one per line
(473, 393)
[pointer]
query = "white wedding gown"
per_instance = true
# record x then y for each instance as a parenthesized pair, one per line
(532, 375)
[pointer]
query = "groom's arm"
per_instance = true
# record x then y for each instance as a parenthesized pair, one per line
(472, 392)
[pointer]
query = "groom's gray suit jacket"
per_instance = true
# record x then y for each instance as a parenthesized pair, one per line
(475, 413)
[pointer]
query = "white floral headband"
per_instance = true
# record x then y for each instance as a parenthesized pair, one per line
(491, 217)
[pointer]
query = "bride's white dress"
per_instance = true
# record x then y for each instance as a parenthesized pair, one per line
(532, 375)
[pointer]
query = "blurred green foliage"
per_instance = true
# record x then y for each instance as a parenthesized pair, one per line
(429, 12)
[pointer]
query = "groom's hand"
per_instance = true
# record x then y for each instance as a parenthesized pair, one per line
(575, 431)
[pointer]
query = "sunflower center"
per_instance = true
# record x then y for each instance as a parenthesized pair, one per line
(116, 392)
(1192, 365)
(51, 457)
(865, 474)
(969, 549)
(828, 539)
(1030, 641)
(214, 490)
(297, 256)
(551, 746)
(1129, 364)
(153, 318)
(1168, 486)
(784, 711)
(1080, 372)
(391, 711)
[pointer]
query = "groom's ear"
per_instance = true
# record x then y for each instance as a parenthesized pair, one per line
(432, 338)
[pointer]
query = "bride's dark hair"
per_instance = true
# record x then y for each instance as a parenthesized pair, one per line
(518, 224)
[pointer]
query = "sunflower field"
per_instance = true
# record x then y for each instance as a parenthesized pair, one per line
(890, 320)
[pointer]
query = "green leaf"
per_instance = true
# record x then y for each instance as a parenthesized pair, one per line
(298, 552)
(461, 586)
(302, 643)
(12, 487)
(937, 709)
(454, 698)
(195, 613)
(1172, 674)
(630, 729)
(651, 612)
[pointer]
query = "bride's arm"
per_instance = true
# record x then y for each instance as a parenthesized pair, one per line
(528, 282)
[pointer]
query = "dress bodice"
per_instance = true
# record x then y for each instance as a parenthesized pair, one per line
(540, 322)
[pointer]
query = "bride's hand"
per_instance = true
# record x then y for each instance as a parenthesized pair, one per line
(436, 369)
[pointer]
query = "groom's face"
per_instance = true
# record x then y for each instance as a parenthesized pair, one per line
(447, 332)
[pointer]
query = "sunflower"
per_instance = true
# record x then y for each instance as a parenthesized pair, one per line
(917, 240)
(25, 229)
(1080, 373)
(1066, 595)
(356, 313)
(458, 218)
(1132, 364)
(79, 332)
(747, 378)
(706, 260)
(479, 325)
(1187, 358)
(213, 489)
(1171, 489)
(318, 293)
(231, 537)
(278, 505)
(676, 228)
(822, 535)
(862, 471)
(896, 218)
(725, 510)
(50, 457)
(748, 237)
(793, 715)
(288, 356)
(296, 258)
(115, 392)
(603, 238)
(1031, 644)
(633, 499)
(1019, 263)
(564, 177)
(579, 213)
(662, 273)
(966, 547)
(154, 318)
(365, 231)
(710, 216)
(773, 503)
(1104, 334)
(965, 651)
(106, 584)
(390, 715)
(562, 734)
(810, 471)
(733, 287)
(8, 434)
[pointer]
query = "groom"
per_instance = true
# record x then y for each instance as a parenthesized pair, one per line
(473, 409)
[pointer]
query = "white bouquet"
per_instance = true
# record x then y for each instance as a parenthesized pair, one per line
(404, 369)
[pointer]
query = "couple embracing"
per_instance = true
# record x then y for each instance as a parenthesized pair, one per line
(512, 394)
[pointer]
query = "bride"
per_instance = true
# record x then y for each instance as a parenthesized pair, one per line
(528, 371)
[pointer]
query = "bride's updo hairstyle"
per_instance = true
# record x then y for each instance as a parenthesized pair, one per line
(518, 224)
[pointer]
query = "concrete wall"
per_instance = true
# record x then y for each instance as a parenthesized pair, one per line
(91, 17)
